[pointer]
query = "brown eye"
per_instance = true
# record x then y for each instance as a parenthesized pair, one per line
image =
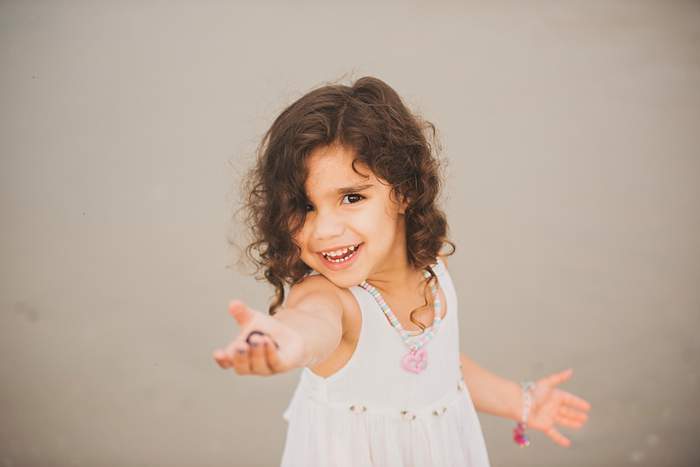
(308, 208)
(353, 198)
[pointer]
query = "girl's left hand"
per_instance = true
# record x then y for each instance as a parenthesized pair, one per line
(552, 406)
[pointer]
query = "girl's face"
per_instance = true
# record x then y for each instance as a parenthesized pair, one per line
(353, 228)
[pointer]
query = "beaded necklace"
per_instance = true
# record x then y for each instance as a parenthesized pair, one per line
(416, 360)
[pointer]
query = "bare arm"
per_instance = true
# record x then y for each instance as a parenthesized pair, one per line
(491, 393)
(314, 310)
(304, 332)
(550, 407)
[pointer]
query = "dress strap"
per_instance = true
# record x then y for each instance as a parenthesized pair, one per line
(438, 267)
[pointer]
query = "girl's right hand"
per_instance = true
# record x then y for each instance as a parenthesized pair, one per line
(260, 355)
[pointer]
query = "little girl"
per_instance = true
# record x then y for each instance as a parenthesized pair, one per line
(342, 207)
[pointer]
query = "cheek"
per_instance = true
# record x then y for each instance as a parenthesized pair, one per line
(382, 216)
(301, 239)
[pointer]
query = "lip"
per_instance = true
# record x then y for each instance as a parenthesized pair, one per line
(328, 250)
(340, 266)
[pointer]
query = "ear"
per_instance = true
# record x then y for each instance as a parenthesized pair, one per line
(403, 204)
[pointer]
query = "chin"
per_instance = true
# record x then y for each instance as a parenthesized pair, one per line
(341, 279)
(344, 282)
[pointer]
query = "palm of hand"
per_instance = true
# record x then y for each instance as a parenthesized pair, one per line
(263, 346)
(552, 406)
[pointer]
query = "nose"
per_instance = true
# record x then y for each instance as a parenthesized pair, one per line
(327, 225)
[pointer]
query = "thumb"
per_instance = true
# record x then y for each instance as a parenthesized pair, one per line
(560, 377)
(240, 312)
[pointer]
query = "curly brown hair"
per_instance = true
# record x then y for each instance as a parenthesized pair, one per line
(370, 118)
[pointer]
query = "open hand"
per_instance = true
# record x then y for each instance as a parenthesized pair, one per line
(552, 406)
(264, 345)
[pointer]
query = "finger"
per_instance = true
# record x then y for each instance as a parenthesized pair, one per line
(577, 402)
(264, 336)
(558, 438)
(241, 360)
(568, 422)
(273, 359)
(221, 358)
(573, 414)
(254, 333)
(258, 362)
(558, 378)
(240, 312)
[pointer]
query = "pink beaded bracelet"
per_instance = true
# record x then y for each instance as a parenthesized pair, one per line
(519, 435)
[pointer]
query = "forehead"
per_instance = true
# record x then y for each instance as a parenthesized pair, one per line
(330, 168)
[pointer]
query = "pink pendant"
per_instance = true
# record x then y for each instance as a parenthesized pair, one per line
(519, 435)
(415, 361)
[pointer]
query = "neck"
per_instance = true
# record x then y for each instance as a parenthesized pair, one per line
(394, 281)
(396, 276)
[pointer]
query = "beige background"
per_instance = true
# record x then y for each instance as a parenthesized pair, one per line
(572, 132)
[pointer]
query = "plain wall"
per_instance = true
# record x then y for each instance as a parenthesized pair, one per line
(572, 133)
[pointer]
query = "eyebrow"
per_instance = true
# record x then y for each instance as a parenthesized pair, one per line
(354, 189)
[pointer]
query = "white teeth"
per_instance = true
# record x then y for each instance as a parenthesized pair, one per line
(341, 252)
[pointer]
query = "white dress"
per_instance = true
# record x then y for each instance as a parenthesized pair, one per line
(372, 412)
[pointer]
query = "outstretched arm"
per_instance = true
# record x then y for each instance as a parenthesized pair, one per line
(304, 332)
(491, 393)
(551, 406)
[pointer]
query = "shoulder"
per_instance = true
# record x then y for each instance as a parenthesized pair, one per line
(313, 286)
(318, 289)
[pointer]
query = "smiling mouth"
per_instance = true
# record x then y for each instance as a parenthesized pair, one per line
(342, 255)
